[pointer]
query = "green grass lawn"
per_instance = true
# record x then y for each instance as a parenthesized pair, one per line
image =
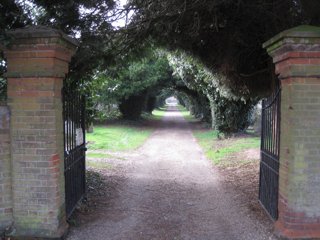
(98, 155)
(207, 136)
(185, 113)
(158, 113)
(116, 138)
(216, 150)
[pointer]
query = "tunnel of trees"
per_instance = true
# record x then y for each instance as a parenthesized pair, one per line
(206, 53)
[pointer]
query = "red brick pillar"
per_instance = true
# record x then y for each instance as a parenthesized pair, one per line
(37, 61)
(296, 54)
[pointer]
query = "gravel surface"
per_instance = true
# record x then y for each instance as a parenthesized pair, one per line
(169, 190)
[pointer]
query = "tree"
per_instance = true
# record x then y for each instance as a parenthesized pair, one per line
(222, 38)
(12, 16)
(226, 36)
(135, 84)
(228, 112)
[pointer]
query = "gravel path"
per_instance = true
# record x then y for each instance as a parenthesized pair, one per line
(172, 192)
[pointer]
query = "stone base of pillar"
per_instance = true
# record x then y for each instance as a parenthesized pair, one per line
(38, 233)
(296, 225)
(290, 234)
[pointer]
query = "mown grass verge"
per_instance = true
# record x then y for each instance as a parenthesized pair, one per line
(219, 149)
(158, 113)
(117, 138)
(185, 113)
(98, 155)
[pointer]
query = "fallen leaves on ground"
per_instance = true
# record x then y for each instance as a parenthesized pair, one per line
(240, 170)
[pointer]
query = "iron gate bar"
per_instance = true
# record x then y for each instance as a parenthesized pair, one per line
(74, 152)
(270, 150)
(273, 158)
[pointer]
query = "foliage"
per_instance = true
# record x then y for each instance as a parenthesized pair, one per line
(88, 21)
(220, 62)
(106, 113)
(227, 112)
(131, 108)
(163, 94)
(151, 104)
(232, 115)
(134, 85)
(11, 16)
(226, 36)
(117, 138)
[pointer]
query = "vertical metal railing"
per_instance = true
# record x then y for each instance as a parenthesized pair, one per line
(74, 147)
(270, 151)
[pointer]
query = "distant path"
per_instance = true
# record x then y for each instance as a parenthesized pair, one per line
(172, 192)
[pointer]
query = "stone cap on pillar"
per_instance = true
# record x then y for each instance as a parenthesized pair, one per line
(39, 51)
(303, 37)
(32, 32)
(296, 52)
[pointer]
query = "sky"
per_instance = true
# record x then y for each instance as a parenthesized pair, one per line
(121, 22)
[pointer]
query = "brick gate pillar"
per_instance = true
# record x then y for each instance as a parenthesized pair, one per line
(296, 54)
(37, 61)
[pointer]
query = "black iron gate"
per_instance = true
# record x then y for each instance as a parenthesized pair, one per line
(74, 146)
(270, 149)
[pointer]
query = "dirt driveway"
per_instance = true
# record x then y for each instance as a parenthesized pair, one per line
(171, 191)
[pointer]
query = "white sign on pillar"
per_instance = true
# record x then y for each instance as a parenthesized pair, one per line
(79, 136)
